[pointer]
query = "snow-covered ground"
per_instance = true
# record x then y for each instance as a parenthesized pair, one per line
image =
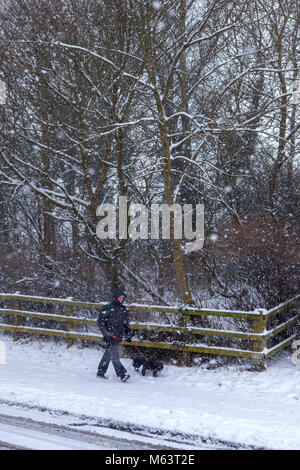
(228, 403)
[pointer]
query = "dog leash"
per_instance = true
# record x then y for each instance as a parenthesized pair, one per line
(134, 345)
(140, 352)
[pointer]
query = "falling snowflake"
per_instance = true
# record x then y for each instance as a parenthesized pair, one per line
(214, 237)
(156, 5)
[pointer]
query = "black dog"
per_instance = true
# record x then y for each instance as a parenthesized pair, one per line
(147, 363)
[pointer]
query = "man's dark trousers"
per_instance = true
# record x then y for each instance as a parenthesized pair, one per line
(111, 354)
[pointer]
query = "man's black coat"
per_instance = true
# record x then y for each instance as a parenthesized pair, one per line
(113, 319)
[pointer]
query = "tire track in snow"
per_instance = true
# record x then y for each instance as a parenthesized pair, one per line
(25, 433)
(169, 438)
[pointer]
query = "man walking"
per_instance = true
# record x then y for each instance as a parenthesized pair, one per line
(113, 322)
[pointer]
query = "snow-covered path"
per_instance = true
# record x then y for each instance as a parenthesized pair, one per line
(226, 404)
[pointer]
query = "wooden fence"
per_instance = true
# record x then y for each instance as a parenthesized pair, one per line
(188, 331)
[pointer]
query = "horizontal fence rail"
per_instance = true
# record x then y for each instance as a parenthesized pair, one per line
(184, 336)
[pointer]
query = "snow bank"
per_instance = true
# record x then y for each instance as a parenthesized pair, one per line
(254, 409)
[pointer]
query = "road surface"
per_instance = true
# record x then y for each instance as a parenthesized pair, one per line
(23, 433)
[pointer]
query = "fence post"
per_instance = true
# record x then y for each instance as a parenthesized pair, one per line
(259, 326)
(186, 354)
(16, 323)
(69, 325)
